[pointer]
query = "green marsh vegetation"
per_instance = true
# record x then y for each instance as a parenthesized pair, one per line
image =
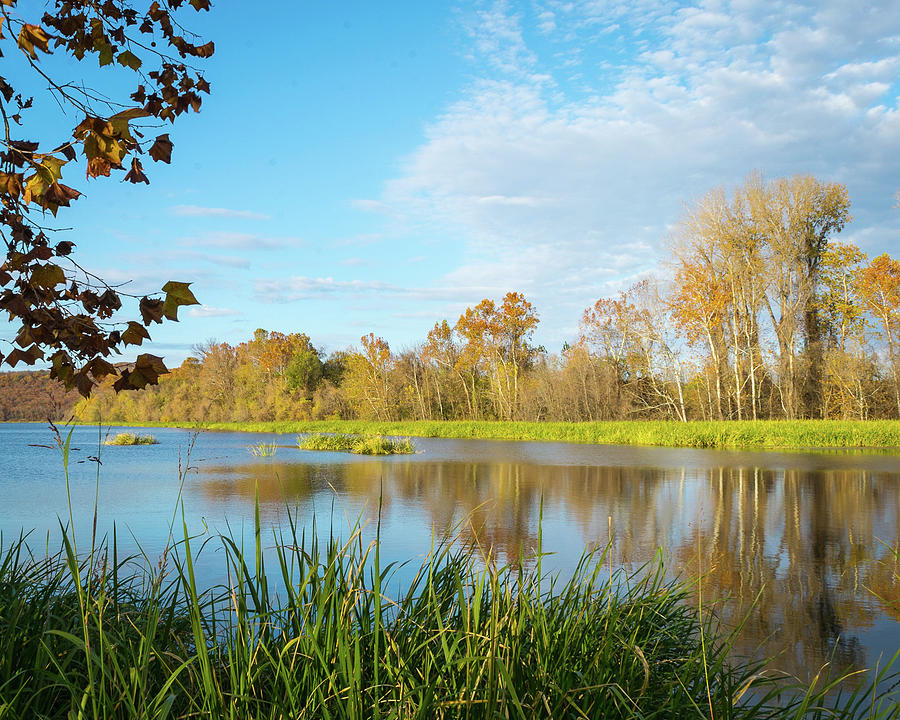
(132, 439)
(359, 444)
(761, 435)
(104, 636)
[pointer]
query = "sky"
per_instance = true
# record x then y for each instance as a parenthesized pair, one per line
(377, 167)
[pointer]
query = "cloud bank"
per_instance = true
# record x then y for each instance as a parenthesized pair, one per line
(590, 125)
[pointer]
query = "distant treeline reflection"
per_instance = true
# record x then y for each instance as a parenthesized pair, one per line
(818, 544)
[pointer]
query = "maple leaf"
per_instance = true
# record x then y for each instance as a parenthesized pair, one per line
(161, 150)
(135, 334)
(59, 194)
(129, 59)
(151, 310)
(31, 37)
(177, 294)
(136, 174)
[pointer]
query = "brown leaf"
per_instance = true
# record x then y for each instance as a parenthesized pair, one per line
(93, 125)
(29, 357)
(11, 184)
(151, 310)
(161, 151)
(150, 364)
(83, 383)
(135, 334)
(61, 194)
(136, 174)
(98, 166)
(31, 37)
(100, 368)
(205, 51)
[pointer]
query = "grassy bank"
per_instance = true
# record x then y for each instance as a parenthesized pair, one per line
(108, 638)
(775, 434)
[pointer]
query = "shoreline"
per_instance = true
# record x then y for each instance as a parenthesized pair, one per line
(723, 435)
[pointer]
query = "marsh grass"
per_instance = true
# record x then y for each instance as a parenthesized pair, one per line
(127, 438)
(731, 434)
(356, 444)
(262, 449)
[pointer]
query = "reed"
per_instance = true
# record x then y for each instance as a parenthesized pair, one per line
(262, 449)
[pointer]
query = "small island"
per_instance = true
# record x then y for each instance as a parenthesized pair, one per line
(131, 439)
(356, 444)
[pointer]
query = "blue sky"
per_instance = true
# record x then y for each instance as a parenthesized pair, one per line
(380, 166)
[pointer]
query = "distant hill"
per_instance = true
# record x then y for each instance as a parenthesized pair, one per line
(34, 396)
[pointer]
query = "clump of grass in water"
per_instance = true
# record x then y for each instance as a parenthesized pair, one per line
(132, 439)
(357, 444)
(262, 449)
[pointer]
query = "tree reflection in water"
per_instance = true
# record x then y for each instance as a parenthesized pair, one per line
(811, 548)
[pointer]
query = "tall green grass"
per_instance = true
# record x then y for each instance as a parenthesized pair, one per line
(732, 434)
(116, 638)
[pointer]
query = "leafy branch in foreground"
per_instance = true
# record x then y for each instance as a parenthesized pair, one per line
(65, 313)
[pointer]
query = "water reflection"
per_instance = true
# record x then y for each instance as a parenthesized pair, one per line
(805, 554)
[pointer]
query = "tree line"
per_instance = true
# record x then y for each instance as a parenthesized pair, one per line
(762, 314)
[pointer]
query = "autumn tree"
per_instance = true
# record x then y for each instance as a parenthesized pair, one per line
(698, 303)
(500, 339)
(750, 255)
(879, 289)
(441, 354)
(842, 314)
(473, 328)
(608, 329)
(66, 315)
(797, 217)
(367, 379)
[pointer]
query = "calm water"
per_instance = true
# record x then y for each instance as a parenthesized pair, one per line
(812, 531)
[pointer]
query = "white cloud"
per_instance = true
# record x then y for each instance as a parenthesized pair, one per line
(207, 311)
(306, 288)
(565, 186)
(198, 211)
(240, 241)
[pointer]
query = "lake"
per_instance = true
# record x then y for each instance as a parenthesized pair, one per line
(802, 544)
